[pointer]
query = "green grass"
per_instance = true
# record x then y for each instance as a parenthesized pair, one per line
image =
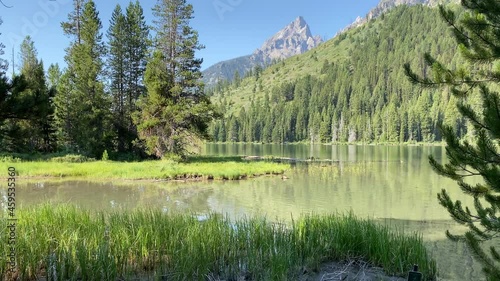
(229, 168)
(67, 243)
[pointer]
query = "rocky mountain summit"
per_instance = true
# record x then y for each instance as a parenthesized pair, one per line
(386, 5)
(296, 38)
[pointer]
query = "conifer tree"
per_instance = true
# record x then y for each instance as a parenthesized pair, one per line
(128, 46)
(175, 112)
(53, 76)
(117, 64)
(37, 99)
(90, 131)
(27, 125)
(74, 24)
(4, 85)
(137, 45)
(3, 62)
(477, 33)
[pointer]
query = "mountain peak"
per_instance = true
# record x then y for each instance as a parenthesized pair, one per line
(294, 39)
(300, 22)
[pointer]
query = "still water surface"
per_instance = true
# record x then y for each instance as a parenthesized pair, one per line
(392, 184)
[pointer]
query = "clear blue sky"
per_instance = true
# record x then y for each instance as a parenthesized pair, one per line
(228, 28)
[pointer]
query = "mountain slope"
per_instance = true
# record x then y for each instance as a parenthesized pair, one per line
(351, 88)
(296, 38)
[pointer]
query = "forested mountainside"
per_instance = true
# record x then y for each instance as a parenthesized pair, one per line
(350, 89)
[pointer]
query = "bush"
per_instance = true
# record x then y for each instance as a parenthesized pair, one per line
(105, 156)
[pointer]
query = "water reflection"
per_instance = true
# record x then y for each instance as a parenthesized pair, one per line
(110, 195)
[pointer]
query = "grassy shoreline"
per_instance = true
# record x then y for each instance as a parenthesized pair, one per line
(68, 243)
(199, 168)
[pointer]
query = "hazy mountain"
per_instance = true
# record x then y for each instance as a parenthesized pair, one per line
(296, 38)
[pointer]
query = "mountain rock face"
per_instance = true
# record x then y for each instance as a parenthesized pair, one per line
(296, 38)
(386, 5)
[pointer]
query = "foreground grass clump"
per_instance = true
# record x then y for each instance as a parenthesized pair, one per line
(67, 243)
(210, 168)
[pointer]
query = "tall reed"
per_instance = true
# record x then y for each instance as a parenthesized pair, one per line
(67, 243)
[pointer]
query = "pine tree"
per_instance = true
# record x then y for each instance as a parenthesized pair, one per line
(53, 76)
(175, 112)
(117, 65)
(236, 78)
(28, 127)
(4, 85)
(58, 83)
(74, 24)
(90, 132)
(477, 33)
(137, 44)
(3, 63)
(39, 127)
(65, 118)
(128, 45)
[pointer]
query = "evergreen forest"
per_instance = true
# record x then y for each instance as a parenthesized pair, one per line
(123, 91)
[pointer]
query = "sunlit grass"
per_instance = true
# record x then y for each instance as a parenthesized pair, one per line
(196, 168)
(67, 243)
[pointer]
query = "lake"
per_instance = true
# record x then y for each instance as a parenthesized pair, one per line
(394, 185)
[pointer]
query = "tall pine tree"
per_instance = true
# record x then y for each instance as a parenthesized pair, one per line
(137, 45)
(176, 112)
(117, 65)
(477, 33)
(89, 131)
(128, 45)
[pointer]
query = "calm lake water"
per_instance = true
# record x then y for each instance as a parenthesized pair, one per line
(393, 184)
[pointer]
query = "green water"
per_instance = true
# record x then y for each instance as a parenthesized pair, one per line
(392, 184)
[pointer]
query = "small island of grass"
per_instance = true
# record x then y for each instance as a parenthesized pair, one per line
(193, 168)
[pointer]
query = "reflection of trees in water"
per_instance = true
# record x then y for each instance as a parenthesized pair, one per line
(380, 189)
(330, 170)
(106, 195)
(184, 197)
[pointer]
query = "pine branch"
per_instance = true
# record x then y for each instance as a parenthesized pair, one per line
(3, 4)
